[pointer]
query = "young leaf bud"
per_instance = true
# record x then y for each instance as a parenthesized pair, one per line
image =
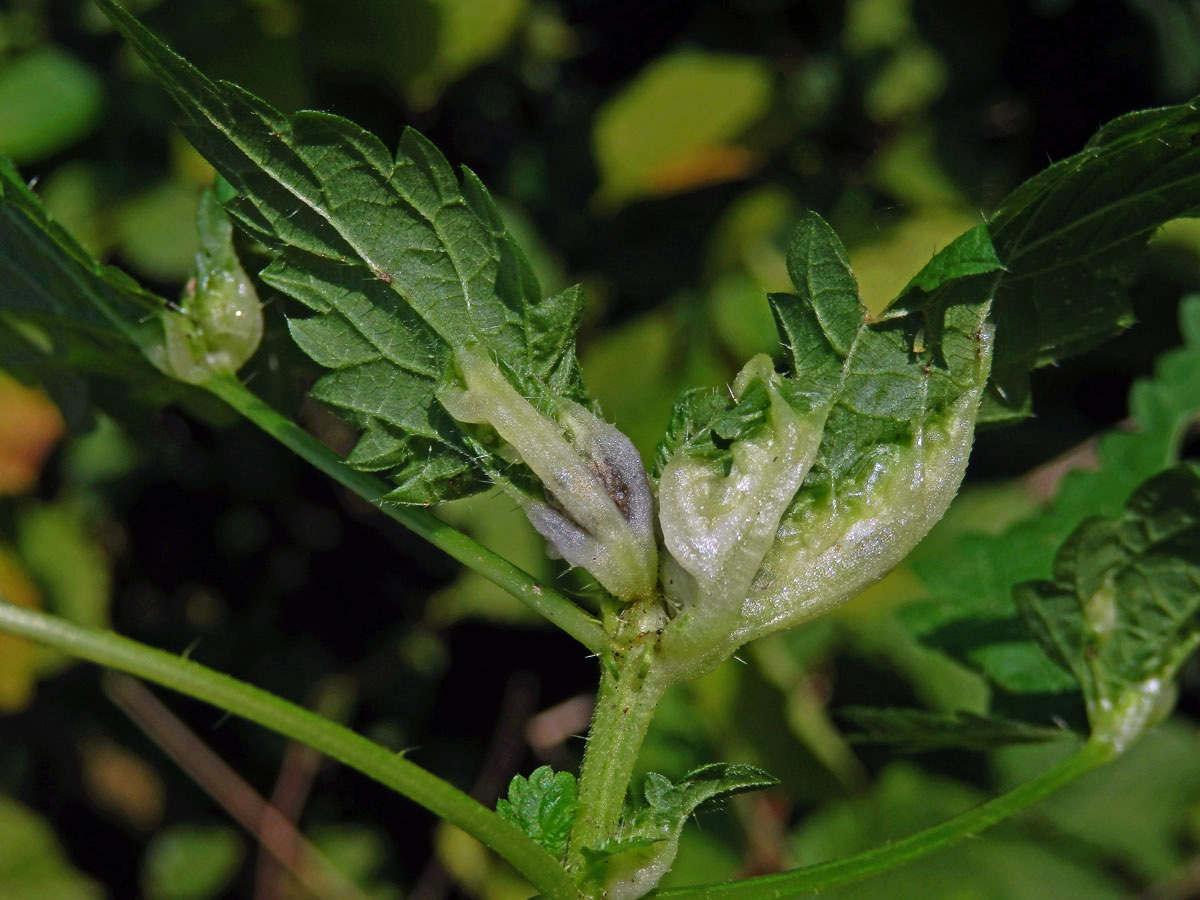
(599, 509)
(218, 324)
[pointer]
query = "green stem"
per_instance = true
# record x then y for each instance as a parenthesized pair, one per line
(542, 599)
(297, 723)
(800, 882)
(630, 688)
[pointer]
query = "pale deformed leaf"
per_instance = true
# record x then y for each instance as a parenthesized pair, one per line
(1122, 612)
(882, 416)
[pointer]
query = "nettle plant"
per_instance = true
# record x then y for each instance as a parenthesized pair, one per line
(764, 506)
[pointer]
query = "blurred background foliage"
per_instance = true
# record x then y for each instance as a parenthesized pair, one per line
(657, 152)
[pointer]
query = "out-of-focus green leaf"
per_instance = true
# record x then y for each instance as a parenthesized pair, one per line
(918, 730)
(1132, 813)
(358, 852)
(469, 33)
(750, 238)
(191, 862)
(676, 125)
(1123, 611)
(1177, 28)
(911, 79)
(745, 256)
(18, 656)
(971, 614)
(499, 524)
(156, 231)
(874, 25)
(416, 47)
(56, 545)
(908, 168)
(478, 871)
(48, 99)
(101, 455)
(32, 866)
(740, 320)
(1005, 864)
(77, 196)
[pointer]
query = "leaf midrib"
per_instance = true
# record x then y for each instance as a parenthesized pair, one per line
(1084, 220)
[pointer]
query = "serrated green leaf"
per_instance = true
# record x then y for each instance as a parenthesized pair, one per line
(690, 425)
(971, 614)
(819, 267)
(745, 418)
(816, 364)
(919, 730)
(893, 377)
(1122, 612)
(714, 781)
(410, 262)
(971, 253)
(543, 806)
(632, 862)
(43, 269)
(1070, 239)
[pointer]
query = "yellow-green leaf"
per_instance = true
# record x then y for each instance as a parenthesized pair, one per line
(676, 126)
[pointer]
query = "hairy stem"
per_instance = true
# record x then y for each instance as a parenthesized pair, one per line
(541, 598)
(385, 766)
(630, 687)
(811, 879)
